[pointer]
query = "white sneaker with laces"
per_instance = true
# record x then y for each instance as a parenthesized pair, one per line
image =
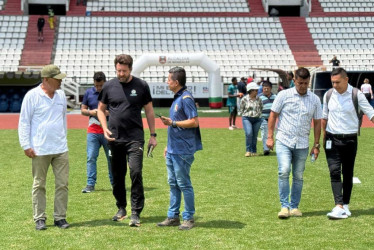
(346, 208)
(231, 128)
(337, 213)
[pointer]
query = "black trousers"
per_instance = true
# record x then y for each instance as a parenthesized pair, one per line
(341, 159)
(121, 154)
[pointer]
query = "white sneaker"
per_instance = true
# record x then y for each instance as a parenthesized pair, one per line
(337, 213)
(346, 208)
(234, 127)
(231, 128)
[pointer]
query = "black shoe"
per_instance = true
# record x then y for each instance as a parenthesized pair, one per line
(266, 152)
(40, 225)
(63, 224)
(120, 215)
(134, 221)
(88, 189)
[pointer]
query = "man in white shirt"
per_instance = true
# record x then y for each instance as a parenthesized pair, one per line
(340, 125)
(296, 108)
(42, 134)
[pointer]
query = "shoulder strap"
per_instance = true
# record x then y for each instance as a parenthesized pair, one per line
(328, 96)
(358, 112)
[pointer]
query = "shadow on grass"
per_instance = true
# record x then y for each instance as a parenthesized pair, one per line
(221, 224)
(109, 222)
(127, 189)
(355, 213)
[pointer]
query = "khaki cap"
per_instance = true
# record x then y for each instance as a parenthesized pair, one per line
(52, 71)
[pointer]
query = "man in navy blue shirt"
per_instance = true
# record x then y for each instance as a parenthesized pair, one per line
(95, 133)
(184, 140)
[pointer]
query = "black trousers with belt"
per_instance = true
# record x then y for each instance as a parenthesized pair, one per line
(121, 154)
(341, 159)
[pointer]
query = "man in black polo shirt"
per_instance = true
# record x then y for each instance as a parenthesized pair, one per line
(125, 96)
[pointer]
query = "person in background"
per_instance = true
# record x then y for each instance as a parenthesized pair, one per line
(40, 24)
(290, 77)
(51, 18)
(184, 139)
(233, 94)
(267, 98)
(95, 133)
(335, 62)
(340, 125)
(251, 110)
(125, 96)
(42, 132)
(366, 89)
(242, 87)
(295, 108)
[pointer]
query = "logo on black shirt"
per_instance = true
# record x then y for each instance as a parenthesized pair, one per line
(133, 93)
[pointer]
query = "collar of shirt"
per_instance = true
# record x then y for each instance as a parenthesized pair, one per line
(180, 92)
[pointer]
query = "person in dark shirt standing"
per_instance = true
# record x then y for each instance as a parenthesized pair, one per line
(41, 22)
(95, 133)
(335, 62)
(125, 96)
(184, 139)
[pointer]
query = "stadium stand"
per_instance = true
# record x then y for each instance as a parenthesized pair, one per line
(235, 44)
(169, 6)
(347, 5)
(349, 38)
(12, 38)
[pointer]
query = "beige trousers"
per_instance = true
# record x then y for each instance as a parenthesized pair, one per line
(60, 166)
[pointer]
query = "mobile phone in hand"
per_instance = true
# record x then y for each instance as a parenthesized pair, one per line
(149, 152)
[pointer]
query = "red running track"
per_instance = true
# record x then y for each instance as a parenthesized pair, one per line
(77, 121)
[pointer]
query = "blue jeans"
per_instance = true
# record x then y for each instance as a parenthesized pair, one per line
(264, 134)
(94, 142)
(287, 156)
(179, 180)
(251, 127)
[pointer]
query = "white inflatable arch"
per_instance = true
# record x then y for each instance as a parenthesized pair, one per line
(199, 59)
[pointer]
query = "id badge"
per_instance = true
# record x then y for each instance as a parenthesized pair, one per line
(328, 144)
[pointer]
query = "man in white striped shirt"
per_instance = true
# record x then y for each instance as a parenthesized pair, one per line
(42, 134)
(340, 125)
(295, 108)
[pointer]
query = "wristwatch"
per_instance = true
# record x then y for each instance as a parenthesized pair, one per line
(317, 145)
(174, 124)
(154, 134)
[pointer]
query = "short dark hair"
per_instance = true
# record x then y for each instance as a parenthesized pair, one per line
(123, 59)
(233, 79)
(99, 76)
(339, 71)
(267, 84)
(290, 73)
(179, 74)
(302, 73)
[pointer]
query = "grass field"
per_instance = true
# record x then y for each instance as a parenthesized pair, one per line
(236, 202)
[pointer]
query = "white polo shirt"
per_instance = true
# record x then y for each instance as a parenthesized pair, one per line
(341, 113)
(42, 122)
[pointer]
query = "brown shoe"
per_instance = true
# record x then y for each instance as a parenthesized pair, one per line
(247, 154)
(187, 224)
(284, 213)
(296, 212)
(169, 222)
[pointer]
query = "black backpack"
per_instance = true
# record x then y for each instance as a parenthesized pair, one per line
(355, 103)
